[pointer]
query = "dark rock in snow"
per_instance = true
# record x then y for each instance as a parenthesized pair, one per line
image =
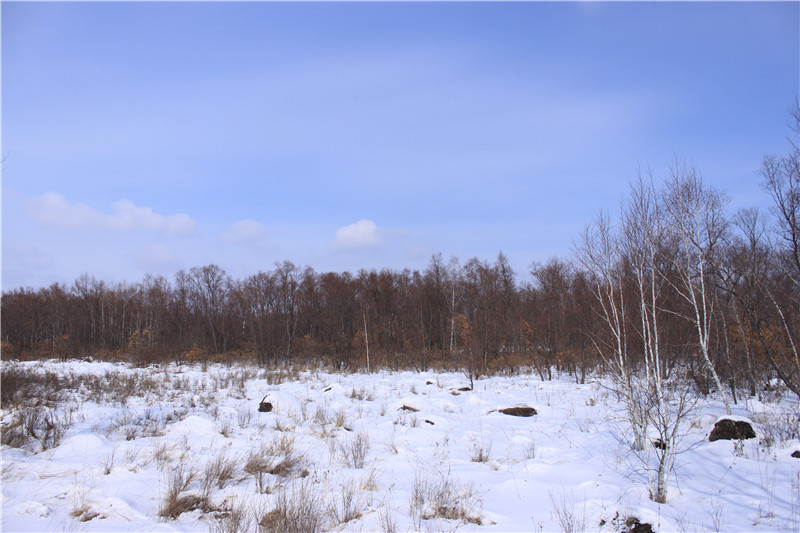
(727, 429)
(518, 411)
(264, 407)
(641, 528)
(796, 454)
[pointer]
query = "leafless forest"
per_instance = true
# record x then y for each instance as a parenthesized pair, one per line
(674, 281)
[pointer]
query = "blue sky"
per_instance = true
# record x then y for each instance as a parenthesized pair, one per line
(149, 137)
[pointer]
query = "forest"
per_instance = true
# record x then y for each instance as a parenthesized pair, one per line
(674, 279)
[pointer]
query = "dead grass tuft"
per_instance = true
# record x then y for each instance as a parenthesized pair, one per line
(218, 472)
(277, 458)
(354, 452)
(233, 520)
(175, 502)
(443, 497)
(298, 511)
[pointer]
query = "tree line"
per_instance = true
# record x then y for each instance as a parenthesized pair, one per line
(672, 281)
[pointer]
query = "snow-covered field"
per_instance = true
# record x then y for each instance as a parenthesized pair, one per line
(183, 448)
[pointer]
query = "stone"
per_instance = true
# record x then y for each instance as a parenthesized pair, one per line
(641, 528)
(796, 454)
(518, 411)
(727, 429)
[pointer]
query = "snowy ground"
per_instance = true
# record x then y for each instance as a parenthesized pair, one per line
(374, 452)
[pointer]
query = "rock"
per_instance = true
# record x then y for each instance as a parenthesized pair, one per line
(264, 407)
(727, 429)
(641, 528)
(518, 411)
(658, 443)
(796, 454)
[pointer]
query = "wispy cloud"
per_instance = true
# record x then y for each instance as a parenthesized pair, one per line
(55, 210)
(244, 231)
(360, 235)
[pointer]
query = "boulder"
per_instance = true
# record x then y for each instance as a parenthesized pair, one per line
(639, 527)
(518, 411)
(658, 443)
(727, 429)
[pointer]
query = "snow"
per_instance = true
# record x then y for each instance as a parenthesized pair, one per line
(569, 465)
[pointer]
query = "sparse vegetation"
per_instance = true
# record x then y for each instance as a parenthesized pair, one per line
(276, 461)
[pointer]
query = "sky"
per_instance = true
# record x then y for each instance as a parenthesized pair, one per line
(150, 137)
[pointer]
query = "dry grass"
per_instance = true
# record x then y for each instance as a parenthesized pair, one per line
(443, 497)
(298, 511)
(480, 453)
(776, 429)
(387, 519)
(218, 472)
(233, 520)
(38, 424)
(567, 514)
(354, 452)
(83, 513)
(348, 506)
(278, 458)
(175, 501)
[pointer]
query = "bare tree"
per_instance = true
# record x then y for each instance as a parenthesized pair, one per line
(209, 286)
(781, 179)
(287, 283)
(601, 252)
(695, 214)
(665, 402)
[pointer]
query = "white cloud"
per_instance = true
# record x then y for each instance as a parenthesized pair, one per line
(244, 231)
(360, 235)
(53, 209)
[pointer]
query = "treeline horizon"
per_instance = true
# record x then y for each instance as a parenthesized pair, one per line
(714, 293)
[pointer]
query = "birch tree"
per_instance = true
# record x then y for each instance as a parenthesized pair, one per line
(695, 214)
(600, 252)
(665, 402)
